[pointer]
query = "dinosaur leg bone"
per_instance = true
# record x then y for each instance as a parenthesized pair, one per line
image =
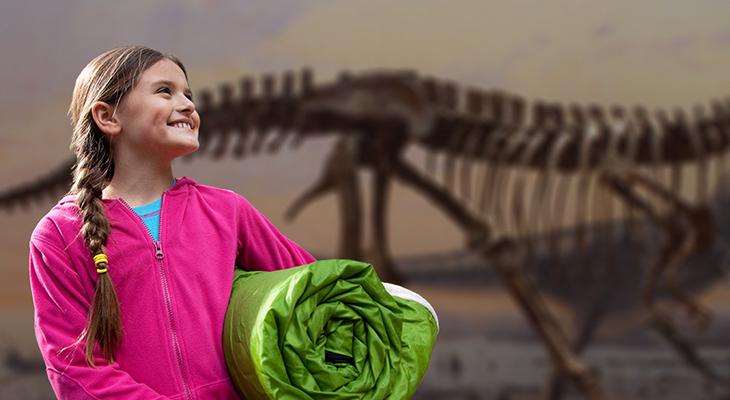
(339, 174)
(383, 261)
(697, 238)
(505, 258)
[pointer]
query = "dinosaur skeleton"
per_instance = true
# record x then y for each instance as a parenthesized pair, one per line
(619, 155)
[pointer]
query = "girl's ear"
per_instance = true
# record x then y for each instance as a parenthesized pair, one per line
(105, 118)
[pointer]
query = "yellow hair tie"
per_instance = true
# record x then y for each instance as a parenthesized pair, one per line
(98, 259)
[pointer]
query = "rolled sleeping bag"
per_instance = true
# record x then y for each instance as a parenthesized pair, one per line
(326, 330)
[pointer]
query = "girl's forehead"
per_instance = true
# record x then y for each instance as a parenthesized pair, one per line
(163, 70)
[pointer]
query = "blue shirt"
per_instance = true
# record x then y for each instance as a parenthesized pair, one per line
(150, 214)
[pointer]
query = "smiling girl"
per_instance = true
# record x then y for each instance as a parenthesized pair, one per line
(131, 271)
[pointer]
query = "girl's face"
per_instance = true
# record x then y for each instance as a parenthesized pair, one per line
(158, 118)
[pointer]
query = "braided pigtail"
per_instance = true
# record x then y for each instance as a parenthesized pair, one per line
(107, 78)
(104, 322)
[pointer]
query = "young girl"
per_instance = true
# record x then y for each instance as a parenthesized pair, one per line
(131, 271)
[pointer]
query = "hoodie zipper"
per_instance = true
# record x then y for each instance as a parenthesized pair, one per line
(159, 256)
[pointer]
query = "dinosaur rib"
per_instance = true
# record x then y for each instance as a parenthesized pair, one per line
(479, 129)
(285, 114)
(473, 112)
(454, 135)
(539, 205)
(536, 141)
(495, 150)
(722, 120)
(518, 147)
(491, 134)
(244, 119)
(228, 115)
(708, 142)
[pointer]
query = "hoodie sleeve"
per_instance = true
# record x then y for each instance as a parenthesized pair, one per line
(261, 246)
(61, 303)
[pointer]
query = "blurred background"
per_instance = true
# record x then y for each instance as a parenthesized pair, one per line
(660, 54)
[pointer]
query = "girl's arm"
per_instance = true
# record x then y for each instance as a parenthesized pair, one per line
(261, 246)
(61, 306)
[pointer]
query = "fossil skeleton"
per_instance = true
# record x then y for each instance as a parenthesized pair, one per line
(514, 164)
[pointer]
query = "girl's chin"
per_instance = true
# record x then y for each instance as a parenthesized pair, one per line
(182, 149)
(186, 149)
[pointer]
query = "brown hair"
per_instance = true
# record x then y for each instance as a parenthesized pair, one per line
(107, 78)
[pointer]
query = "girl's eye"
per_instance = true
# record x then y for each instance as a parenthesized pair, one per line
(164, 89)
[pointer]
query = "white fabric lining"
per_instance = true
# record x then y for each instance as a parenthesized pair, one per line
(403, 293)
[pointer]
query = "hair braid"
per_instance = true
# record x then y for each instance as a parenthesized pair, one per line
(104, 322)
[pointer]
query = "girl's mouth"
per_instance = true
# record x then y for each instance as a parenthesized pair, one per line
(181, 125)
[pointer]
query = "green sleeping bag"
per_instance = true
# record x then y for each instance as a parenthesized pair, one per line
(326, 330)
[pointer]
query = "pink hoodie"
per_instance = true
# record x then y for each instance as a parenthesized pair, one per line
(173, 293)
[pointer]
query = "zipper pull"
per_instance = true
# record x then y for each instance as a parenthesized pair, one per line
(158, 251)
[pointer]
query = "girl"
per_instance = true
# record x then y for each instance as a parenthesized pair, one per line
(130, 301)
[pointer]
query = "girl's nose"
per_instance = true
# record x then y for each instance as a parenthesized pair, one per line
(186, 105)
